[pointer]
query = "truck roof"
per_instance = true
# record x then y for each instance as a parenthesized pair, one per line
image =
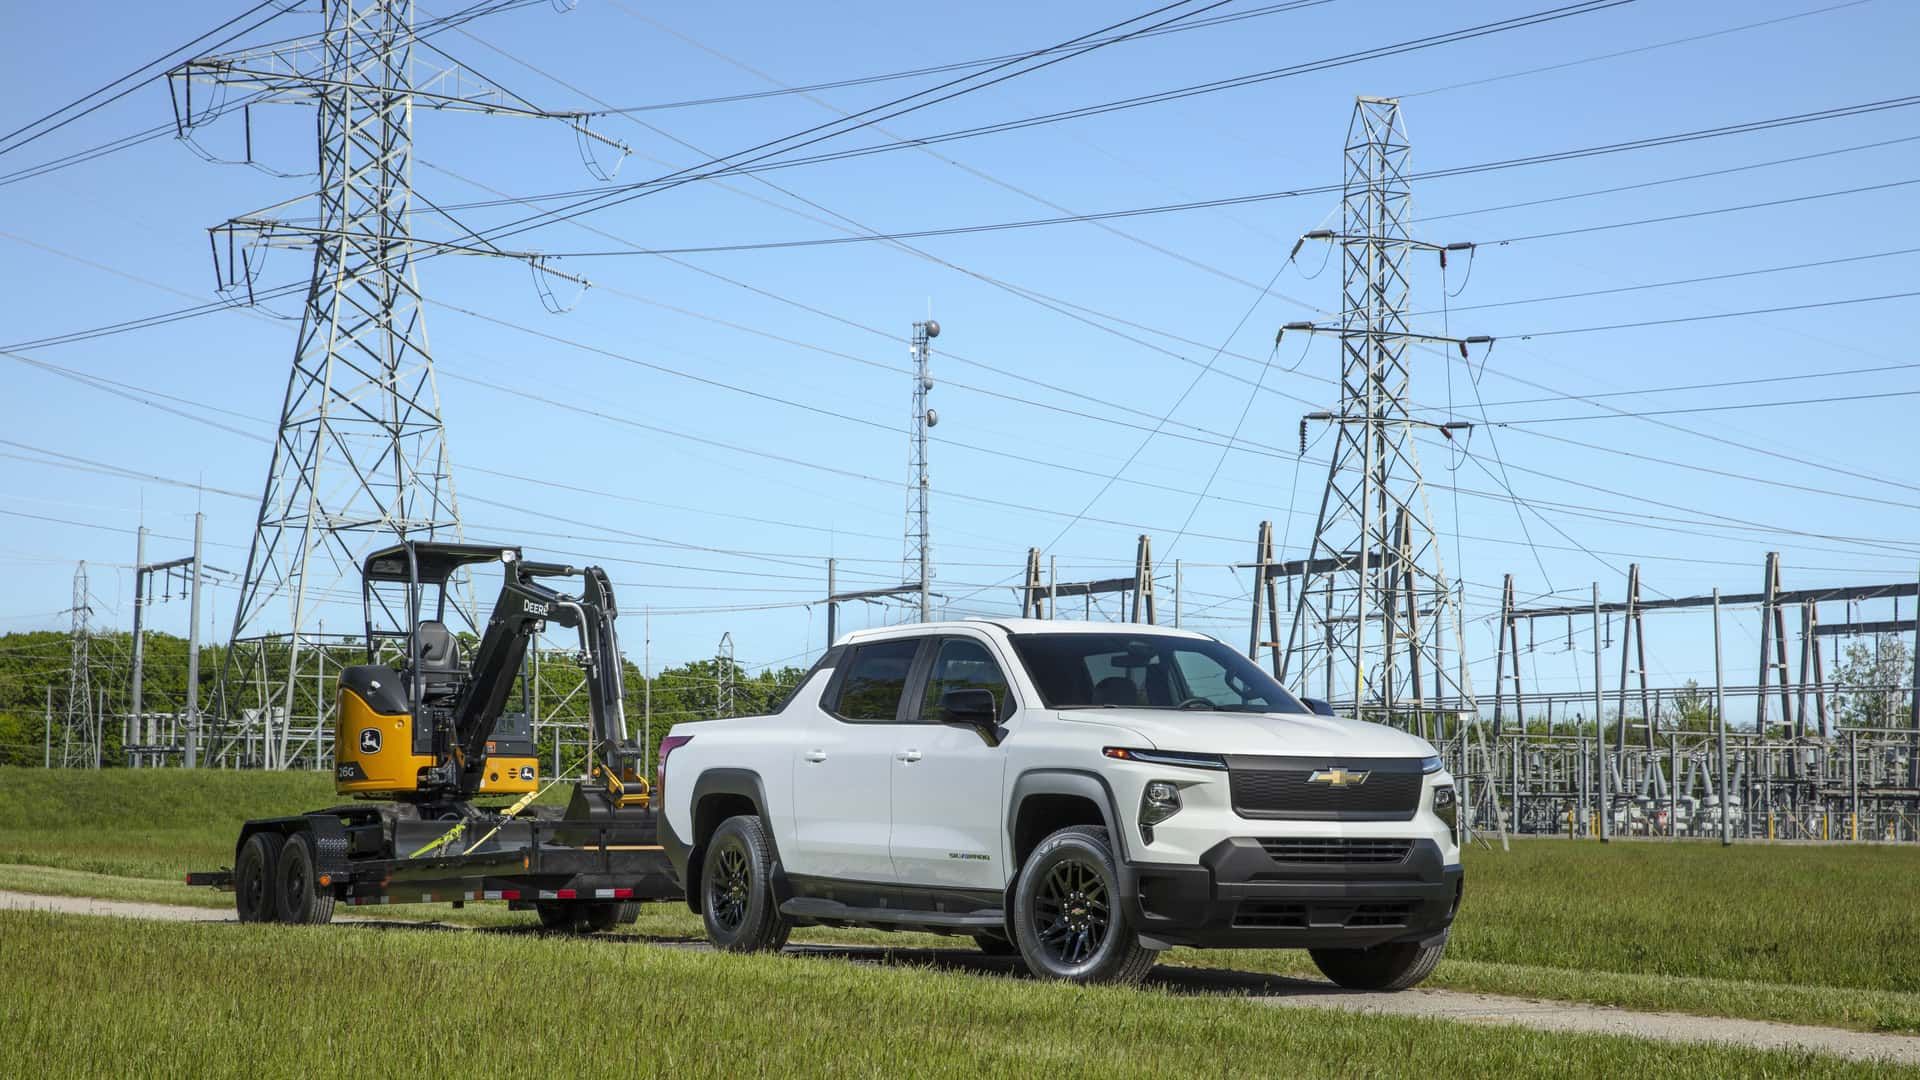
(1016, 626)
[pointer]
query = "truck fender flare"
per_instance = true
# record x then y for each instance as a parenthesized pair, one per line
(1088, 785)
(729, 781)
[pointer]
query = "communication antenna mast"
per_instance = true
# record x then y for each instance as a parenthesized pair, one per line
(918, 565)
(361, 458)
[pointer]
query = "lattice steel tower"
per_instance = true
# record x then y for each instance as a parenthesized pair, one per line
(361, 459)
(917, 568)
(1374, 561)
(80, 737)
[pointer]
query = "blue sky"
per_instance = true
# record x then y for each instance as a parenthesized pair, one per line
(124, 236)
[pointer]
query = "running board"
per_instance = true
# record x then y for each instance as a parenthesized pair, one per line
(808, 907)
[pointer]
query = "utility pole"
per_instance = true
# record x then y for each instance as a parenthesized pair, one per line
(47, 751)
(1374, 538)
(193, 647)
(139, 639)
(1599, 725)
(1720, 724)
(723, 682)
(361, 455)
(918, 563)
(646, 708)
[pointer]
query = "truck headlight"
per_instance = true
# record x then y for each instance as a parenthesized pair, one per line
(1447, 808)
(1159, 800)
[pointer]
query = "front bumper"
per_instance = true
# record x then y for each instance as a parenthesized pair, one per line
(1239, 897)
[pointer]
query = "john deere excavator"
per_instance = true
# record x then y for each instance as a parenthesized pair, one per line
(429, 748)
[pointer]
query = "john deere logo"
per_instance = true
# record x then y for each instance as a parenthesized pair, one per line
(1339, 778)
(369, 740)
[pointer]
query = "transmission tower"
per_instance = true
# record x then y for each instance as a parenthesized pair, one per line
(723, 700)
(80, 741)
(361, 459)
(918, 564)
(1374, 562)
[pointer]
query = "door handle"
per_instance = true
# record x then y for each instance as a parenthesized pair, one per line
(815, 756)
(908, 756)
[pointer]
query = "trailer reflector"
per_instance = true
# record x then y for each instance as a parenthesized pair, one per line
(565, 894)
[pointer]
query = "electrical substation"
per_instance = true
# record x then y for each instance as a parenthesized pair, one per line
(1363, 612)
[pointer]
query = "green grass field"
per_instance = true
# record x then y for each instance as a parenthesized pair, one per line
(218, 1000)
(1810, 934)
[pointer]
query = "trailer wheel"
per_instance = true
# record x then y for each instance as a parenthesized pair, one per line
(558, 917)
(301, 899)
(254, 877)
(736, 887)
(599, 918)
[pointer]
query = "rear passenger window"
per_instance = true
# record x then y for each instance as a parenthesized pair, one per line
(876, 679)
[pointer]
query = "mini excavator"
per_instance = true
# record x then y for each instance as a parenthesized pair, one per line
(427, 747)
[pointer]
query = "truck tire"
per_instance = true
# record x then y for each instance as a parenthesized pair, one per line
(298, 896)
(736, 889)
(1398, 965)
(1067, 916)
(255, 877)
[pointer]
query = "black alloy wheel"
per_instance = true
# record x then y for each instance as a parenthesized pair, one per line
(736, 889)
(1068, 918)
(729, 887)
(1073, 911)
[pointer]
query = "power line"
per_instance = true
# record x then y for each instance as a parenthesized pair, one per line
(161, 59)
(959, 65)
(1719, 315)
(616, 196)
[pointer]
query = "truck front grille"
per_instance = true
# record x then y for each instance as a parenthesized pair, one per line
(1285, 788)
(1319, 851)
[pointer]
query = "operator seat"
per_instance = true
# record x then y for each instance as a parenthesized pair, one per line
(436, 659)
(1116, 690)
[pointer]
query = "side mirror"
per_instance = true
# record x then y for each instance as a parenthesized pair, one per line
(974, 708)
(1317, 706)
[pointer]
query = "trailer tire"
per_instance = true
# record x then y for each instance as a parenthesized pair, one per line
(298, 893)
(736, 889)
(599, 918)
(254, 878)
(558, 917)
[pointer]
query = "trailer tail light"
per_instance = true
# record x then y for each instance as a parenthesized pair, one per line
(667, 746)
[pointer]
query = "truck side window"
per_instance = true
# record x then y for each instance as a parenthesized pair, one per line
(964, 664)
(875, 681)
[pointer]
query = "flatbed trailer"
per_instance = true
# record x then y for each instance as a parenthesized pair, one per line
(579, 875)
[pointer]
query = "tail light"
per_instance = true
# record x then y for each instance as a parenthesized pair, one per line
(667, 746)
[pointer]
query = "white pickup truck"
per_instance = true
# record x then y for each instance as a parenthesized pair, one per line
(1080, 794)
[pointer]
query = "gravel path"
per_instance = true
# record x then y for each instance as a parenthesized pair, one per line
(1455, 1005)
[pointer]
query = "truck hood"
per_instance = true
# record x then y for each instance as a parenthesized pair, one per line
(1271, 734)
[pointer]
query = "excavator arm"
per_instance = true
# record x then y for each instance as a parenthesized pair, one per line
(525, 605)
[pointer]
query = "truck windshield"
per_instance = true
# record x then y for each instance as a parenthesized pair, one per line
(1148, 671)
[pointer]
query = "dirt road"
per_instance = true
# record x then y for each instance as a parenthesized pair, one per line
(1285, 993)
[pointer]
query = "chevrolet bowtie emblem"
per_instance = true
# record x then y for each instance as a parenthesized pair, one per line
(1337, 778)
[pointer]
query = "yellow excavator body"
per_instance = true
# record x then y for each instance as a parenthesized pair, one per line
(374, 755)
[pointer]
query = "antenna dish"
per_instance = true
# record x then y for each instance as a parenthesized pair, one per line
(933, 418)
(933, 328)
